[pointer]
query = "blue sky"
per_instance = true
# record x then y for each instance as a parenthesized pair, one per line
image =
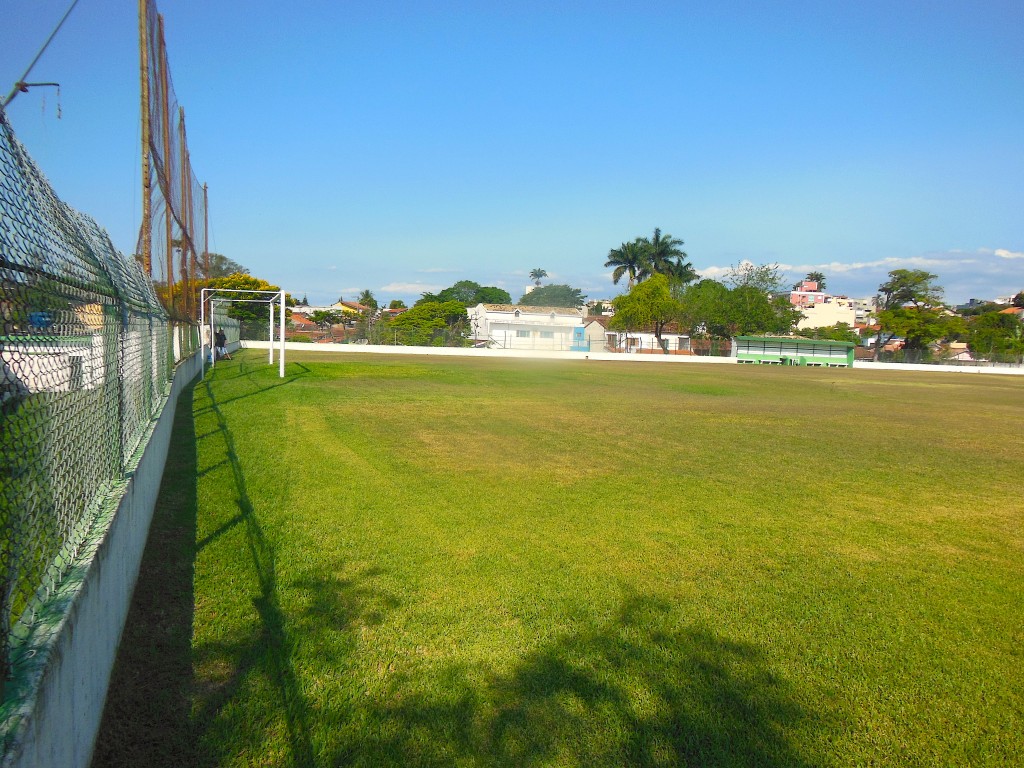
(401, 147)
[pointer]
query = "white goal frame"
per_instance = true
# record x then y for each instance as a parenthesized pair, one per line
(272, 298)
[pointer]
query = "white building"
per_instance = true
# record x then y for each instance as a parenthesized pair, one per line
(512, 326)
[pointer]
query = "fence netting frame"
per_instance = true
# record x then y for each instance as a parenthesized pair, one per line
(88, 355)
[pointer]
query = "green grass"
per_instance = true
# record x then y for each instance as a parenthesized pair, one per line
(434, 561)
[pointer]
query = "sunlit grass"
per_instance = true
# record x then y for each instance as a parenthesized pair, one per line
(406, 561)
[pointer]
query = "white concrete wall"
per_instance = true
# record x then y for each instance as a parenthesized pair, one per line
(610, 356)
(54, 704)
(536, 354)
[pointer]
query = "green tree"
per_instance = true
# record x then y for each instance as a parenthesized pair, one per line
(468, 293)
(764, 277)
(918, 326)
(488, 294)
(979, 309)
(905, 290)
(649, 304)
(325, 318)
(428, 324)
(996, 336)
(837, 332)
(396, 304)
(751, 311)
(554, 296)
(1018, 300)
(220, 266)
(367, 300)
(704, 309)
(536, 275)
(248, 309)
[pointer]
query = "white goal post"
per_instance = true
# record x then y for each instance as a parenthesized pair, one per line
(274, 299)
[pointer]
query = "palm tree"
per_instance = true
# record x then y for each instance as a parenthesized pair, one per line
(537, 274)
(629, 259)
(367, 300)
(667, 258)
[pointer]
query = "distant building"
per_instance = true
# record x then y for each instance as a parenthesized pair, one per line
(822, 309)
(514, 326)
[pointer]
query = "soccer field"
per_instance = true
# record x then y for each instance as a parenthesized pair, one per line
(440, 561)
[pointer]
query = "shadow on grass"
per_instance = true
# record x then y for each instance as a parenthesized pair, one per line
(146, 720)
(636, 691)
(270, 651)
(246, 369)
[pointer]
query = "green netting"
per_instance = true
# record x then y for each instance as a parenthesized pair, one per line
(88, 353)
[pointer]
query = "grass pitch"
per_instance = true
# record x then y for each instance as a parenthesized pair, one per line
(434, 561)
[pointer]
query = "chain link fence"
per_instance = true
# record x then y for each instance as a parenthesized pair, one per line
(88, 353)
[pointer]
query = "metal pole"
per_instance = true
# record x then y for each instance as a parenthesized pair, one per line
(206, 233)
(281, 370)
(147, 179)
(202, 327)
(20, 84)
(270, 346)
(165, 118)
(185, 214)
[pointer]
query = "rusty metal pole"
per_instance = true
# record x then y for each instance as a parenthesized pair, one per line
(186, 214)
(168, 188)
(206, 233)
(146, 233)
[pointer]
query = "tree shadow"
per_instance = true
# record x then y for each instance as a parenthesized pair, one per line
(638, 690)
(268, 652)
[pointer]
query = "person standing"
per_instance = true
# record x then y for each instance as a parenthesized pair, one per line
(222, 344)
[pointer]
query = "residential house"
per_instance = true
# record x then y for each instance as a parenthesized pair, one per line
(513, 326)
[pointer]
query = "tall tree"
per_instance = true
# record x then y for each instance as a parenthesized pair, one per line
(907, 304)
(1018, 300)
(536, 275)
(665, 257)
(628, 259)
(649, 304)
(367, 300)
(431, 323)
(554, 296)
(997, 336)
(469, 294)
(763, 277)
(221, 266)
(704, 309)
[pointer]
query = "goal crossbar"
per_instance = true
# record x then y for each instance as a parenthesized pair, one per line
(274, 299)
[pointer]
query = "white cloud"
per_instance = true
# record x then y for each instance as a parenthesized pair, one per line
(713, 273)
(1005, 254)
(411, 288)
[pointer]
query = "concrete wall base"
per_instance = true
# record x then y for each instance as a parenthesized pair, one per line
(53, 705)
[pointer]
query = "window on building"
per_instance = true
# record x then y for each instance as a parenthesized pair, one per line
(522, 334)
(547, 334)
